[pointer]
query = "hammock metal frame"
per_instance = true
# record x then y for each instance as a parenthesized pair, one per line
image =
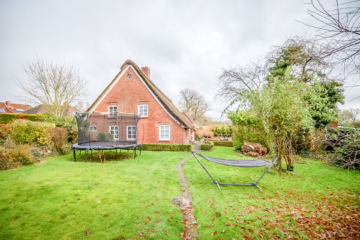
(237, 163)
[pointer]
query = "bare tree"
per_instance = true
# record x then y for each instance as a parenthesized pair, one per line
(238, 80)
(82, 106)
(193, 103)
(53, 85)
(338, 32)
(349, 114)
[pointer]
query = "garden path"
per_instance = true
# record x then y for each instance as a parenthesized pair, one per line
(185, 201)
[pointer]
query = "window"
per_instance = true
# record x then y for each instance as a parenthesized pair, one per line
(93, 128)
(131, 133)
(164, 132)
(143, 110)
(113, 110)
(114, 130)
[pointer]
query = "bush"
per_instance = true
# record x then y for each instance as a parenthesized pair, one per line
(42, 134)
(104, 137)
(204, 132)
(6, 118)
(167, 147)
(222, 143)
(58, 139)
(221, 130)
(4, 130)
(23, 131)
(207, 147)
(247, 134)
(15, 157)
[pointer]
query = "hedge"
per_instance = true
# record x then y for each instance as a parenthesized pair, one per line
(207, 147)
(36, 117)
(222, 143)
(167, 147)
(6, 118)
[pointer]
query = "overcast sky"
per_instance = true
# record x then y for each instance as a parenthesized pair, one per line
(184, 43)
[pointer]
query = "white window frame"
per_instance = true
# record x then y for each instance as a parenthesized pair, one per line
(114, 130)
(112, 106)
(147, 108)
(127, 132)
(164, 139)
(94, 128)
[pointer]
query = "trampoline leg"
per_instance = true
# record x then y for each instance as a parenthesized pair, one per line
(140, 149)
(74, 155)
(91, 155)
(86, 155)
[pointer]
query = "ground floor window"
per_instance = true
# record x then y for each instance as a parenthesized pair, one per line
(114, 130)
(164, 132)
(131, 132)
(93, 128)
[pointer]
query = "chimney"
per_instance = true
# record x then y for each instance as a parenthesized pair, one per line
(7, 103)
(146, 71)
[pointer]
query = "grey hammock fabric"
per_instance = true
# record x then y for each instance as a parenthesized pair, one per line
(258, 162)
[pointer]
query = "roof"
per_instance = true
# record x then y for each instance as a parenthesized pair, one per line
(14, 106)
(42, 108)
(163, 99)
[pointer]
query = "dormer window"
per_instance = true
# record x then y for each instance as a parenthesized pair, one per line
(113, 111)
(143, 110)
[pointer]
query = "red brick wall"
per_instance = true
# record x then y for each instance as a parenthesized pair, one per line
(127, 94)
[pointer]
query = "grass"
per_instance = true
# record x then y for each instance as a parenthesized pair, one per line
(316, 189)
(61, 199)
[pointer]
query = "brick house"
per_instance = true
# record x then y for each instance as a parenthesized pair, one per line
(8, 107)
(132, 91)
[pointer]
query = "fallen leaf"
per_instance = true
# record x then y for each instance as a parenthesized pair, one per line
(223, 230)
(96, 183)
(106, 215)
(228, 224)
(119, 238)
(172, 216)
(214, 233)
(167, 231)
(158, 221)
(87, 234)
(157, 216)
(140, 234)
(118, 229)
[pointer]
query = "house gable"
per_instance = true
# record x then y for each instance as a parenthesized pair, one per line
(156, 93)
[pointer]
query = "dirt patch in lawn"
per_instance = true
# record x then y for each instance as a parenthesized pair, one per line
(185, 204)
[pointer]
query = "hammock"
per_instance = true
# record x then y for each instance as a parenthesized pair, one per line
(258, 162)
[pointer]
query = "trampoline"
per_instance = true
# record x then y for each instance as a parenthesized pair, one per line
(106, 131)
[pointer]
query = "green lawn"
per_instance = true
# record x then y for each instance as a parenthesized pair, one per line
(61, 199)
(314, 193)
